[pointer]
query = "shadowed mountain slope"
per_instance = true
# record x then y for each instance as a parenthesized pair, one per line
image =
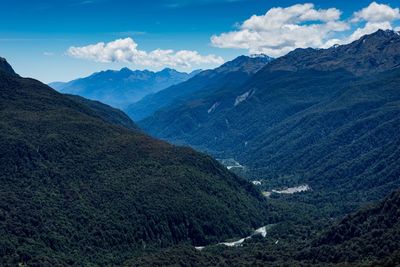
(79, 190)
(325, 117)
(232, 73)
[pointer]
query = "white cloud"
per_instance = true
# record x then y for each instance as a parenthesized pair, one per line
(370, 27)
(126, 50)
(281, 30)
(375, 16)
(377, 13)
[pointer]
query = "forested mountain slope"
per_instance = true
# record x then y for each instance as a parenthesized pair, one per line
(326, 117)
(106, 112)
(232, 73)
(79, 190)
(368, 237)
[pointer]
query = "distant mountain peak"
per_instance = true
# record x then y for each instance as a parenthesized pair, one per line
(168, 71)
(385, 33)
(119, 88)
(381, 35)
(6, 67)
(249, 64)
(231, 73)
(260, 56)
(125, 69)
(372, 53)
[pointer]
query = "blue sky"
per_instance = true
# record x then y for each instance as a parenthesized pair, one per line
(36, 36)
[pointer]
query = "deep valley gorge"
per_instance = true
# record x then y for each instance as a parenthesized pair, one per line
(273, 142)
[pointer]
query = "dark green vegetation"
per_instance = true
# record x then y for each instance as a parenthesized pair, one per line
(77, 188)
(123, 87)
(232, 73)
(328, 118)
(107, 113)
(81, 185)
(369, 237)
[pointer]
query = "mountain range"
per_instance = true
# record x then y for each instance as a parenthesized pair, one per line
(123, 87)
(81, 185)
(84, 185)
(231, 73)
(326, 117)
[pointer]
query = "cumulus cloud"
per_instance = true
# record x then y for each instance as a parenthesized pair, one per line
(126, 50)
(370, 27)
(375, 16)
(377, 13)
(281, 30)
